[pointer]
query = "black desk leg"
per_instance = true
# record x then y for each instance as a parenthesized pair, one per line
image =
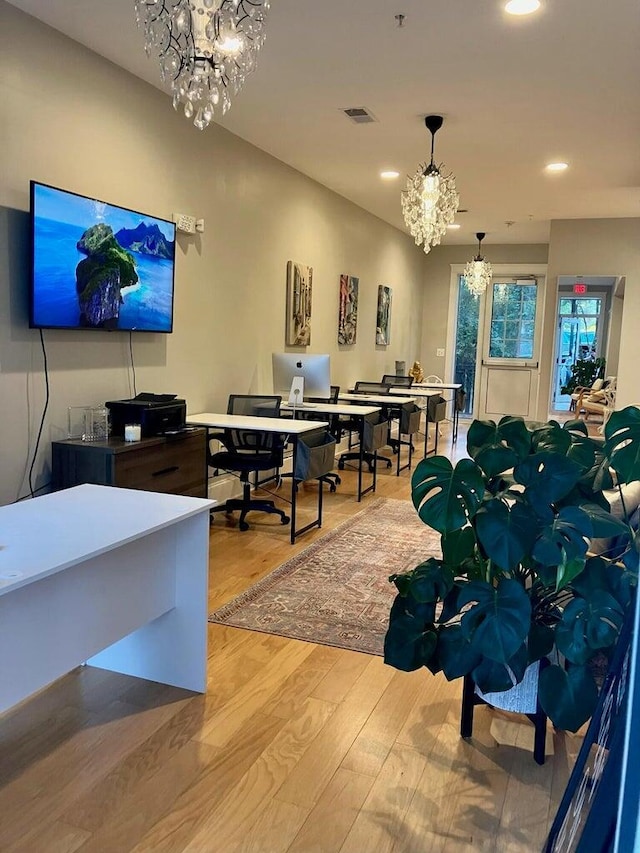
(294, 490)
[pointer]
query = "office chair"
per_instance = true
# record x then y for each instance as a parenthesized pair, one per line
(247, 451)
(376, 389)
(335, 428)
(397, 381)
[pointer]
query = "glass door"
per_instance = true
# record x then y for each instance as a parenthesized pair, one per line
(579, 338)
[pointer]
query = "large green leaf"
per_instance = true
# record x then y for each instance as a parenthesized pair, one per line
(428, 582)
(456, 655)
(498, 447)
(587, 625)
(622, 443)
(494, 677)
(540, 642)
(583, 453)
(505, 533)
(568, 697)
(498, 621)
(548, 477)
(409, 643)
(567, 535)
(458, 547)
(601, 574)
(576, 426)
(446, 497)
(551, 438)
(604, 524)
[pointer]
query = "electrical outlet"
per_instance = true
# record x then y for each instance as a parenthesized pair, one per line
(185, 223)
(440, 352)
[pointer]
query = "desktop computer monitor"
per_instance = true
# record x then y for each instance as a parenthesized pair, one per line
(290, 367)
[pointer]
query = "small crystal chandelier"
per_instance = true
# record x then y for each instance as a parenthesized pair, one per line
(430, 201)
(478, 272)
(206, 48)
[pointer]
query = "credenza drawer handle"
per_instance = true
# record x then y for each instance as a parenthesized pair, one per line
(170, 470)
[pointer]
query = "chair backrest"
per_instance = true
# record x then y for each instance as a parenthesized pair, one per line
(332, 398)
(397, 381)
(256, 406)
(432, 379)
(371, 388)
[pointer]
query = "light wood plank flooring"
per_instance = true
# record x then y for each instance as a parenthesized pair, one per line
(295, 748)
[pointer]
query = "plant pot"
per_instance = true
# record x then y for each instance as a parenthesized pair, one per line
(522, 698)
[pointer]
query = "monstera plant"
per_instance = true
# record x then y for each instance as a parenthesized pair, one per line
(518, 580)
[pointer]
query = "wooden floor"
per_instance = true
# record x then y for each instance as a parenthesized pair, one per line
(295, 747)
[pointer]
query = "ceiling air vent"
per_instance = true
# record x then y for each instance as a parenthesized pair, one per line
(359, 115)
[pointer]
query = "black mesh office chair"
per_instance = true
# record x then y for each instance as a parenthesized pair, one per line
(397, 381)
(375, 389)
(247, 451)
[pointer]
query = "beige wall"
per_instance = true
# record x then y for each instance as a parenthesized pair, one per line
(593, 247)
(71, 119)
(438, 283)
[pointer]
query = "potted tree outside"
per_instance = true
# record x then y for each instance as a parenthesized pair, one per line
(517, 580)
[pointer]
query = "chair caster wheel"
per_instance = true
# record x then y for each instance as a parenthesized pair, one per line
(388, 464)
(285, 519)
(338, 481)
(332, 487)
(243, 526)
(341, 465)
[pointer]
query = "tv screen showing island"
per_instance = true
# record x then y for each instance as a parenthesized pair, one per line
(99, 266)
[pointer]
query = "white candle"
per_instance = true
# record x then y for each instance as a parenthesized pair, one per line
(132, 432)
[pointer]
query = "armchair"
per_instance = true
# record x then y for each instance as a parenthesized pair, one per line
(600, 402)
(247, 451)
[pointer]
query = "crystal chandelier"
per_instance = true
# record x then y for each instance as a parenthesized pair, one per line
(206, 48)
(478, 272)
(430, 201)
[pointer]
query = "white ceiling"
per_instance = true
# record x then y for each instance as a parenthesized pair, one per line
(516, 93)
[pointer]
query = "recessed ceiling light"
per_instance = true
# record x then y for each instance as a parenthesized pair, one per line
(522, 7)
(389, 175)
(453, 227)
(556, 167)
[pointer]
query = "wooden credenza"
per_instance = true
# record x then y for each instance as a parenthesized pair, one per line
(175, 464)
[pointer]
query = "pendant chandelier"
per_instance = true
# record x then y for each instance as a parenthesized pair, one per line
(430, 201)
(205, 48)
(478, 273)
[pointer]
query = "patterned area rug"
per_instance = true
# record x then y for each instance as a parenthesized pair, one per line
(336, 591)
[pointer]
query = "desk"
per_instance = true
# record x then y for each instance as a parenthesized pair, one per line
(292, 428)
(352, 411)
(424, 395)
(114, 577)
(390, 401)
(445, 386)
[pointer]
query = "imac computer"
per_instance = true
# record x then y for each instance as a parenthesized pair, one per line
(296, 375)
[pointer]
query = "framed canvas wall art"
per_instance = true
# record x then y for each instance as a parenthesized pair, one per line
(383, 317)
(348, 309)
(299, 282)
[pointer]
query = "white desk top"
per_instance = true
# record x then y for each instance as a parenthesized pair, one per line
(377, 398)
(416, 392)
(335, 409)
(445, 386)
(287, 426)
(45, 535)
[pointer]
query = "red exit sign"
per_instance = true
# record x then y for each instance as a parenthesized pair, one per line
(579, 288)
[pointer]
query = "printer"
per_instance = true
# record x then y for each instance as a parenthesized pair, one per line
(156, 414)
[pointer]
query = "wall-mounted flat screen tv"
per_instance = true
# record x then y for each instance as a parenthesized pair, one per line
(99, 266)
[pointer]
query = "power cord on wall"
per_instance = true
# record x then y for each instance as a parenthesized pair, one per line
(133, 367)
(32, 491)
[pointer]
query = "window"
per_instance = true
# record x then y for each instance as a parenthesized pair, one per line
(513, 318)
